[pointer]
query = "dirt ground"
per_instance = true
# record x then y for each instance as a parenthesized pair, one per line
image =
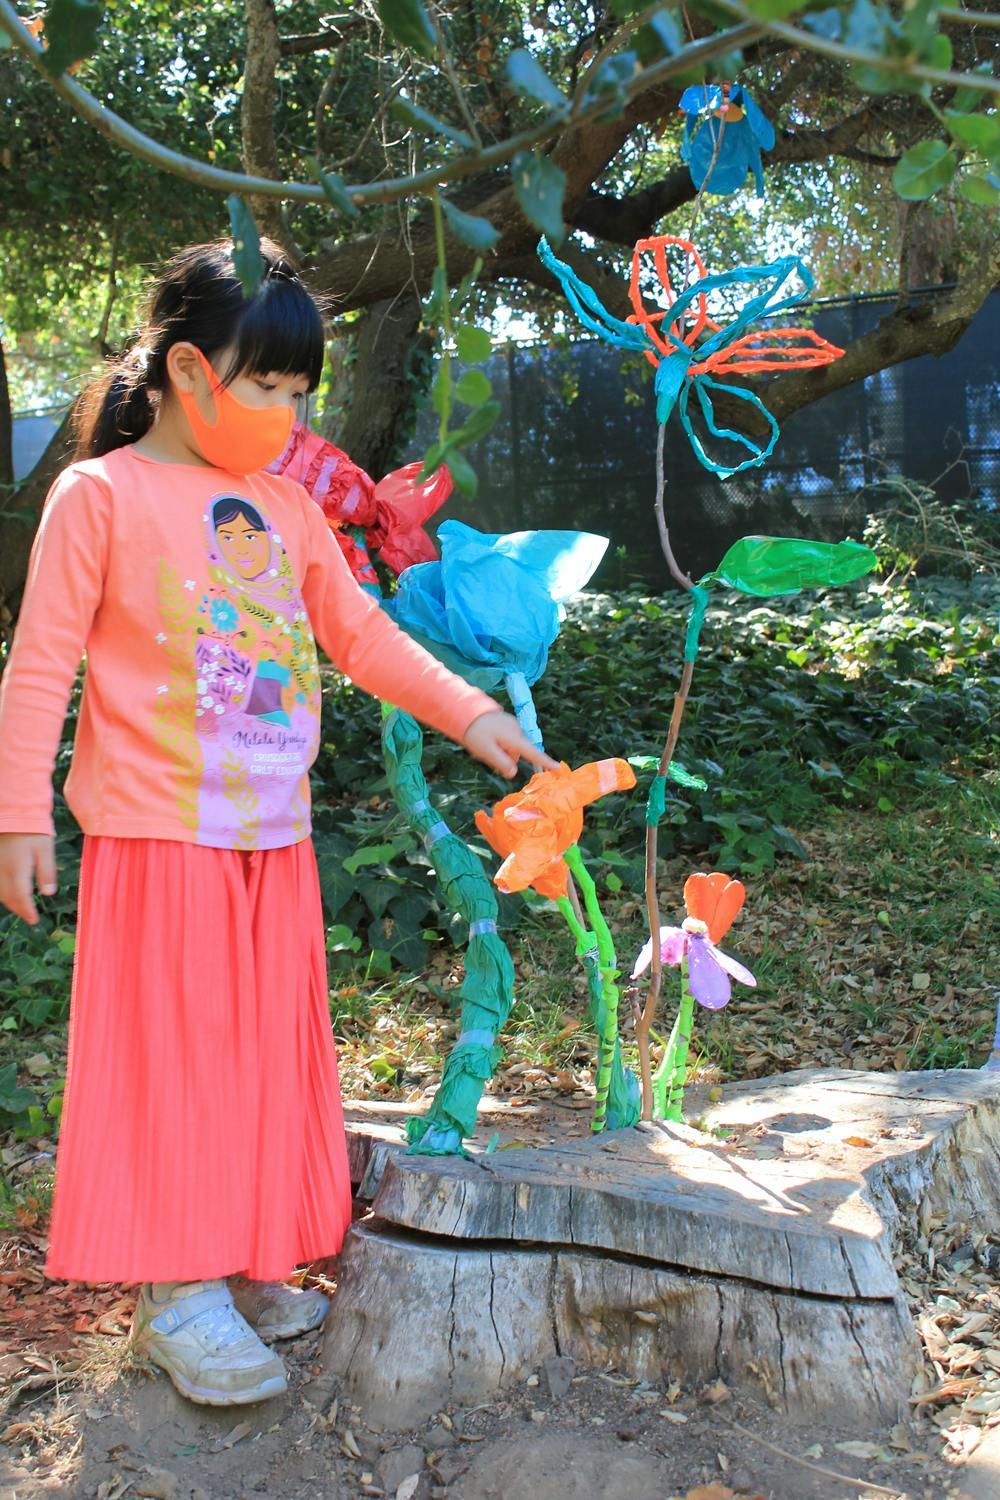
(118, 1430)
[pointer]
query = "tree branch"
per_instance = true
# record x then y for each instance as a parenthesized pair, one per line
(322, 41)
(932, 326)
(625, 220)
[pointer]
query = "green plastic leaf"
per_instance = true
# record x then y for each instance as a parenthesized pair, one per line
(473, 388)
(766, 565)
(334, 189)
(473, 344)
(479, 424)
(677, 773)
(70, 33)
(470, 228)
(247, 259)
(539, 186)
(978, 131)
(412, 114)
(463, 474)
(407, 23)
(983, 191)
(527, 76)
(924, 170)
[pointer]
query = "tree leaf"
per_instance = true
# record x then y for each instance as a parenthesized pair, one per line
(979, 131)
(527, 77)
(924, 170)
(441, 390)
(660, 37)
(984, 191)
(473, 344)
(611, 77)
(334, 189)
(413, 114)
(247, 259)
(968, 96)
(539, 186)
(407, 23)
(470, 228)
(773, 10)
(463, 474)
(70, 33)
(473, 388)
(479, 424)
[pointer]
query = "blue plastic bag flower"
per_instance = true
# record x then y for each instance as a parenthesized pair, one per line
(724, 115)
(490, 608)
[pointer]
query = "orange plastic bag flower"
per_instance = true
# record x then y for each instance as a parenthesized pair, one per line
(534, 827)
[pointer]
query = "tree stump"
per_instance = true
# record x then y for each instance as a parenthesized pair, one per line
(757, 1250)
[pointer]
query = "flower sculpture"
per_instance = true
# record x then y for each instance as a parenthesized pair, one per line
(386, 518)
(536, 831)
(534, 827)
(724, 134)
(688, 346)
(491, 608)
(712, 903)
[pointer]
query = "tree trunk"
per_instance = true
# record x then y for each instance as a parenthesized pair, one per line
(384, 384)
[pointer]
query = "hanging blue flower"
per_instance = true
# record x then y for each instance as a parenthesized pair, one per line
(724, 116)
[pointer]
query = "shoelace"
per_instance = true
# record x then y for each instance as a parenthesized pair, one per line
(220, 1326)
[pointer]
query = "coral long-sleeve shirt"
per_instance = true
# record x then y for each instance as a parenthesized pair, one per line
(196, 595)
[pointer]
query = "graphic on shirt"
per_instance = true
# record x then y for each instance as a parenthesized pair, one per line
(242, 707)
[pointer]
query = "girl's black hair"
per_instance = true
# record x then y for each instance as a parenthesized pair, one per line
(231, 506)
(200, 300)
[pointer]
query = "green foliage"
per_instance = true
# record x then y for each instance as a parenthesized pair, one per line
(924, 170)
(471, 229)
(335, 188)
(407, 23)
(71, 28)
(247, 259)
(539, 186)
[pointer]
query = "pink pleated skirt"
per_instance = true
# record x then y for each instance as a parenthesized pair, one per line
(202, 1131)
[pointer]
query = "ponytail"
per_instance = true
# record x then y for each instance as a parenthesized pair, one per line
(116, 409)
(199, 300)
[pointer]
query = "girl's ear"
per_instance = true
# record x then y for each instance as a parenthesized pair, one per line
(184, 367)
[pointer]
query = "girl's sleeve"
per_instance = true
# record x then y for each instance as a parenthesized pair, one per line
(63, 590)
(363, 642)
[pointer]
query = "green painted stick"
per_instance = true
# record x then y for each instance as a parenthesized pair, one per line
(609, 989)
(685, 1024)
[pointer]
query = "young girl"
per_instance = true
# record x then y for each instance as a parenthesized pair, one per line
(202, 1134)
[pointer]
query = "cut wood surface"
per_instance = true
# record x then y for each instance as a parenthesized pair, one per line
(756, 1248)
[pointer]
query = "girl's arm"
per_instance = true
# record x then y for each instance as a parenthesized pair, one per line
(364, 643)
(63, 591)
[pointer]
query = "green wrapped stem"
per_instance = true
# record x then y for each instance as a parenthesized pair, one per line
(685, 1022)
(664, 1073)
(487, 991)
(623, 1106)
(608, 1034)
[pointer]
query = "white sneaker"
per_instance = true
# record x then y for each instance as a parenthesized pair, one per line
(278, 1311)
(210, 1353)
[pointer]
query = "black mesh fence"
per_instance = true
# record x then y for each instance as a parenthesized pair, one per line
(575, 448)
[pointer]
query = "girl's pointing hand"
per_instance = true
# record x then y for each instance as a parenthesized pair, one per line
(498, 740)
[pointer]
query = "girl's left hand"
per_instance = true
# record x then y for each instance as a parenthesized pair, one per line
(498, 739)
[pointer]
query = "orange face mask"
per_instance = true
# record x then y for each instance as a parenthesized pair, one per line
(242, 439)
